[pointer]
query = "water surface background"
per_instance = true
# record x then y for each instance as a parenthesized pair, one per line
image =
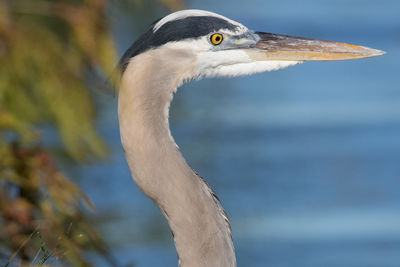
(306, 160)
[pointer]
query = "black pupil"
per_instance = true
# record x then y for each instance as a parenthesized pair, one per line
(218, 38)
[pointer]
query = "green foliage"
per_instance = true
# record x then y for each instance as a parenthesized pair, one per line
(41, 216)
(47, 50)
(43, 81)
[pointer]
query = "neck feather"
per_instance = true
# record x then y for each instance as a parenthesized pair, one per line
(200, 226)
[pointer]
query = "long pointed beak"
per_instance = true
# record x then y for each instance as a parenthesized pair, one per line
(271, 46)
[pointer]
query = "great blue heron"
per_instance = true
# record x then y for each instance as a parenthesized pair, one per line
(183, 46)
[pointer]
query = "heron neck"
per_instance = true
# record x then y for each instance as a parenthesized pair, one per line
(200, 227)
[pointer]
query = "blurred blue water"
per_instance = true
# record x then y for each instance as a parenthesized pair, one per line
(306, 161)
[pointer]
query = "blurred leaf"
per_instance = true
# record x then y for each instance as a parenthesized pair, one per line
(45, 77)
(48, 48)
(173, 4)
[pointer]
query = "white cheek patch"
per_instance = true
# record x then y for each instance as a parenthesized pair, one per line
(207, 62)
(242, 69)
(231, 63)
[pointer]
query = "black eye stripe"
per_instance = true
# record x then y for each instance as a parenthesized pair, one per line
(176, 30)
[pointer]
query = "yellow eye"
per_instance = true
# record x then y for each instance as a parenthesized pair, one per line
(216, 38)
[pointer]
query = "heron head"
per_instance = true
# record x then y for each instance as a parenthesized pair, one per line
(223, 47)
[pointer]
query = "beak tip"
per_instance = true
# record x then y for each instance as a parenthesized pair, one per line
(380, 52)
(375, 52)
